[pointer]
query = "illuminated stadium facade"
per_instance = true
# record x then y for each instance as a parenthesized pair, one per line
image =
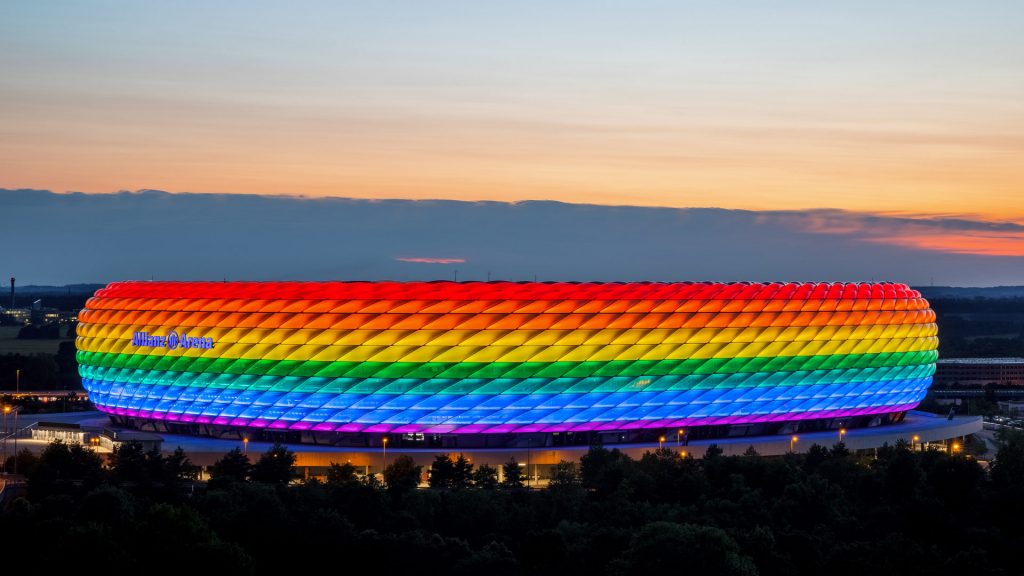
(490, 363)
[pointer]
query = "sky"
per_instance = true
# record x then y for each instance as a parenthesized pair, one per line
(909, 113)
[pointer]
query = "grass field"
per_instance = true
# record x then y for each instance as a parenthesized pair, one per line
(9, 343)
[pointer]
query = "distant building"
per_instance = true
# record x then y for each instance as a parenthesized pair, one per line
(979, 372)
(40, 315)
(18, 315)
(1012, 407)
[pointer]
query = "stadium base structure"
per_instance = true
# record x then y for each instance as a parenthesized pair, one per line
(539, 453)
(918, 430)
(358, 440)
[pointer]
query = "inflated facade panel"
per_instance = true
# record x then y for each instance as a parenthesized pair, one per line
(501, 357)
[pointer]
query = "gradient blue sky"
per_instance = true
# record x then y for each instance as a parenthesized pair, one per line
(908, 117)
(873, 105)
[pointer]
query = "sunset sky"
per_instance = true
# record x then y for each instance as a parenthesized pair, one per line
(895, 108)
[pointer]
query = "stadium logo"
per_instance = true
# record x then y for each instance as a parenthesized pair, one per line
(171, 341)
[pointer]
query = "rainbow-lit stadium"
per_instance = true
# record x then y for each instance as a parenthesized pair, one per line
(336, 362)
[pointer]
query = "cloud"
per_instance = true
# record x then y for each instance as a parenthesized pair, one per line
(51, 238)
(941, 234)
(423, 260)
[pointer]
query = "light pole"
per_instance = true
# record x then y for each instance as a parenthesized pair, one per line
(385, 441)
(17, 381)
(529, 445)
(842, 434)
(7, 410)
(792, 442)
(679, 437)
(245, 445)
(661, 442)
(16, 410)
(913, 442)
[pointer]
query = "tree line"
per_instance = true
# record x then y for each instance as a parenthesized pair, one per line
(828, 511)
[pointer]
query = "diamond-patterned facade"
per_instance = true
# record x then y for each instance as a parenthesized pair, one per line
(500, 357)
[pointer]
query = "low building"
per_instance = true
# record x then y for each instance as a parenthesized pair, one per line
(979, 372)
(111, 439)
(104, 439)
(67, 433)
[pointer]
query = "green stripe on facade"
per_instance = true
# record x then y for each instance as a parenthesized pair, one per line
(464, 370)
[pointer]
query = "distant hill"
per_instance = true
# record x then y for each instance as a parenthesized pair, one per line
(67, 289)
(70, 297)
(956, 292)
(927, 291)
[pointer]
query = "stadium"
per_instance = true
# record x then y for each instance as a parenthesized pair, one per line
(497, 364)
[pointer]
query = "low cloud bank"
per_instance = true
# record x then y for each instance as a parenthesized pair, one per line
(51, 238)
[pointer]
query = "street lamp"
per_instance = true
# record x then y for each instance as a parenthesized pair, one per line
(529, 445)
(661, 442)
(792, 442)
(913, 442)
(7, 410)
(679, 437)
(16, 410)
(245, 444)
(385, 442)
(956, 447)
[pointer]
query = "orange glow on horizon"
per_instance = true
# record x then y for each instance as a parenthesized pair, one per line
(883, 168)
(1007, 245)
(424, 260)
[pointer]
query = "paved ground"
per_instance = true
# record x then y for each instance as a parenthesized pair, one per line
(989, 437)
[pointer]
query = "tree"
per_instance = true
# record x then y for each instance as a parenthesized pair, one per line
(178, 468)
(816, 454)
(564, 475)
(26, 462)
(462, 473)
(513, 474)
(233, 467)
(275, 466)
(65, 469)
(494, 559)
(603, 470)
(128, 464)
(109, 505)
(442, 472)
(657, 547)
(839, 450)
(713, 451)
(485, 477)
(402, 475)
(1008, 466)
(341, 474)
